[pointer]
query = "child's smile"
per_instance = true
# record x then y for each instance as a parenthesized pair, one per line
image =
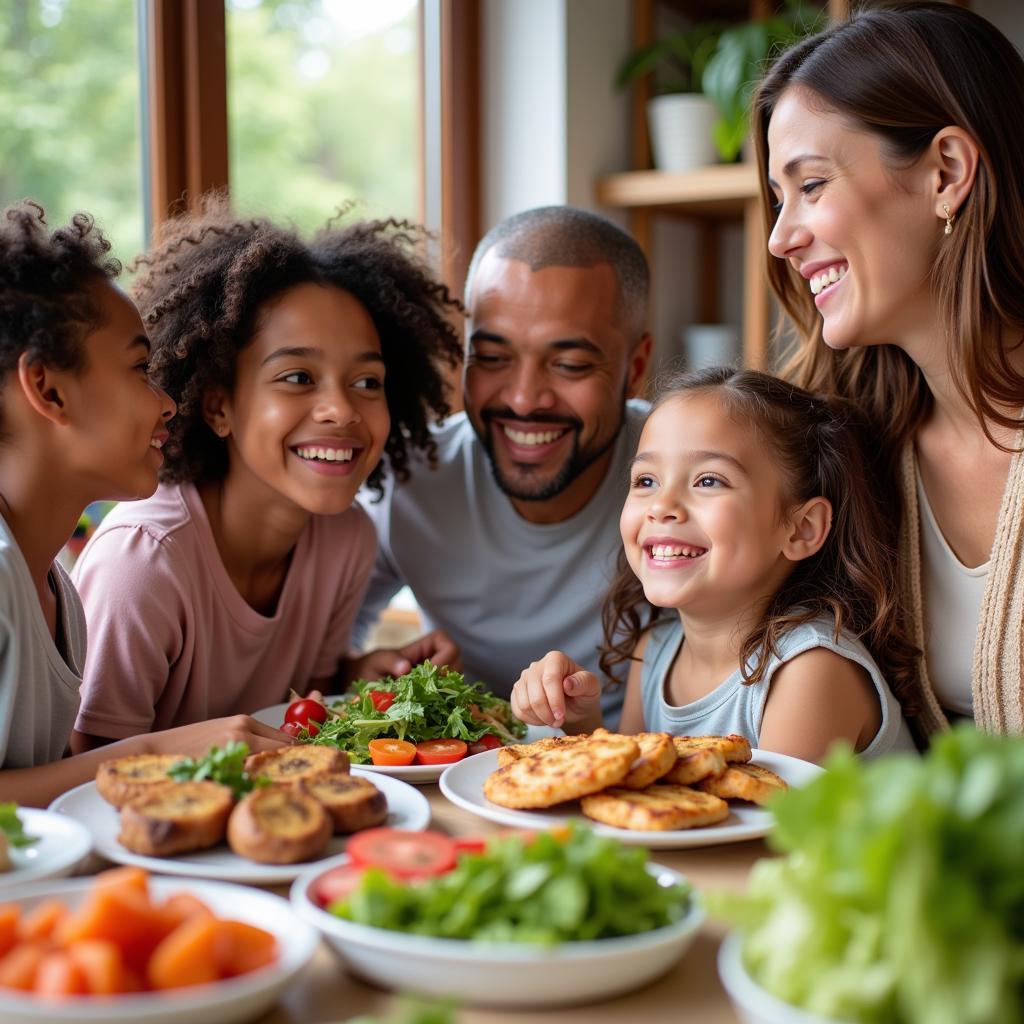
(702, 526)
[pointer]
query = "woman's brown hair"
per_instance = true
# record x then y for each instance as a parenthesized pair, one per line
(820, 448)
(903, 75)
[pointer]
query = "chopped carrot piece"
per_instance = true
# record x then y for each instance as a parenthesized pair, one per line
(102, 965)
(182, 906)
(248, 948)
(10, 916)
(42, 920)
(190, 955)
(59, 976)
(18, 969)
(126, 879)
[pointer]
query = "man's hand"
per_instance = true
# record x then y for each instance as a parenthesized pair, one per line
(437, 646)
(556, 691)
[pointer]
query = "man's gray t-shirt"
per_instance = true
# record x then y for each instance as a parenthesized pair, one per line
(39, 684)
(506, 590)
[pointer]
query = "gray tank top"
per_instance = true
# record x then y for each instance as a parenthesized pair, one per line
(736, 707)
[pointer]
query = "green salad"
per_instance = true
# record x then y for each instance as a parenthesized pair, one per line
(901, 899)
(546, 889)
(429, 702)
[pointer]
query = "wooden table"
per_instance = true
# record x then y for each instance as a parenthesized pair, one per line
(690, 991)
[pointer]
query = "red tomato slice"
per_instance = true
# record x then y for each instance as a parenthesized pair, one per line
(403, 854)
(382, 699)
(470, 844)
(391, 753)
(486, 742)
(305, 711)
(293, 729)
(440, 751)
(336, 885)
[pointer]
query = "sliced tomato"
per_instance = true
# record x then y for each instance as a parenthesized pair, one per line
(486, 742)
(293, 729)
(403, 854)
(336, 885)
(440, 751)
(470, 844)
(391, 753)
(305, 711)
(382, 699)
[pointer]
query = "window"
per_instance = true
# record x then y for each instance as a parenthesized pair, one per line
(69, 113)
(324, 107)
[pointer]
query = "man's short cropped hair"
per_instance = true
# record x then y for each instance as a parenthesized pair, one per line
(564, 236)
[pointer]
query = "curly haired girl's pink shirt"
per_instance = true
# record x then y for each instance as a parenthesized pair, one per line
(171, 641)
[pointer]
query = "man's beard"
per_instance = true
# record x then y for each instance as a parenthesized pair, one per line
(576, 463)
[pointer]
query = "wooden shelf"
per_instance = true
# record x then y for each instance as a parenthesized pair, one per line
(718, 191)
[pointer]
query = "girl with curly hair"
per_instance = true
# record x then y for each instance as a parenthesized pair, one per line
(295, 365)
(755, 589)
(80, 421)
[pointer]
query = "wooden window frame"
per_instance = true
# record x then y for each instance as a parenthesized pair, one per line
(186, 116)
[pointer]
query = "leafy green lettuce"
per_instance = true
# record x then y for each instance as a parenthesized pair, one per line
(12, 828)
(431, 702)
(542, 890)
(224, 765)
(901, 899)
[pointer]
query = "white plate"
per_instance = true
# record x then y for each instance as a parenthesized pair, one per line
(62, 844)
(416, 774)
(407, 808)
(222, 1002)
(503, 974)
(463, 784)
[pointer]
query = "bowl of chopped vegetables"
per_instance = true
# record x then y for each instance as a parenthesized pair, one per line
(540, 920)
(900, 898)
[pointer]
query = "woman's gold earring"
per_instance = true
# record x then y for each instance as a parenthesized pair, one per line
(950, 217)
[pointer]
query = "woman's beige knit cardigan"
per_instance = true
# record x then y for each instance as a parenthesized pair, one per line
(997, 676)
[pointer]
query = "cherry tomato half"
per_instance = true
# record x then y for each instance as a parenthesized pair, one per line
(393, 753)
(293, 729)
(401, 853)
(440, 751)
(382, 699)
(305, 711)
(486, 742)
(336, 885)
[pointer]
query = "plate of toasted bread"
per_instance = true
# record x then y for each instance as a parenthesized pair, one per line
(649, 789)
(415, 774)
(292, 806)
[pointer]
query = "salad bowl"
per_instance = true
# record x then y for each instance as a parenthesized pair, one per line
(502, 974)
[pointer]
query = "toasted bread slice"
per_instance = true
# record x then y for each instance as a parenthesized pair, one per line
(299, 762)
(353, 802)
(564, 773)
(279, 825)
(658, 809)
(745, 782)
(125, 778)
(517, 751)
(694, 761)
(657, 756)
(178, 818)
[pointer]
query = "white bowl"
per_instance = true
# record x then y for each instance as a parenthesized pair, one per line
(221, 1002)
(61, 845)
(752, 1003)
(506, 974)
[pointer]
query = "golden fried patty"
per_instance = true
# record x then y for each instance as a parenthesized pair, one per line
(745, 782)
(124, 778)
(657, 809)
(657, 756)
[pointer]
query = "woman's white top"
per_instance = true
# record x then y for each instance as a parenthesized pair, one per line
(952, 607)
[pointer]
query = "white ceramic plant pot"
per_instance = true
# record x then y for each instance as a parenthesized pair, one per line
(681, 131)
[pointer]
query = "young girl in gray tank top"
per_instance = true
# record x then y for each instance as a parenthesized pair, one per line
(756, 586)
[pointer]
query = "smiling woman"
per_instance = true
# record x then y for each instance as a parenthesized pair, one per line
(896, 210)
(295, 365)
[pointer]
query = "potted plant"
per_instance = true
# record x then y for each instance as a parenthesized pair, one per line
(679, 116)
(731, 73)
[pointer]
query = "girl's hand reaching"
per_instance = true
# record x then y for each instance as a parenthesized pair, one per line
(556, 691)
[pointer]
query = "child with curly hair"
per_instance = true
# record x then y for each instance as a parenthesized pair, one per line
(755, 592)
(295, 365)
(80, 421)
